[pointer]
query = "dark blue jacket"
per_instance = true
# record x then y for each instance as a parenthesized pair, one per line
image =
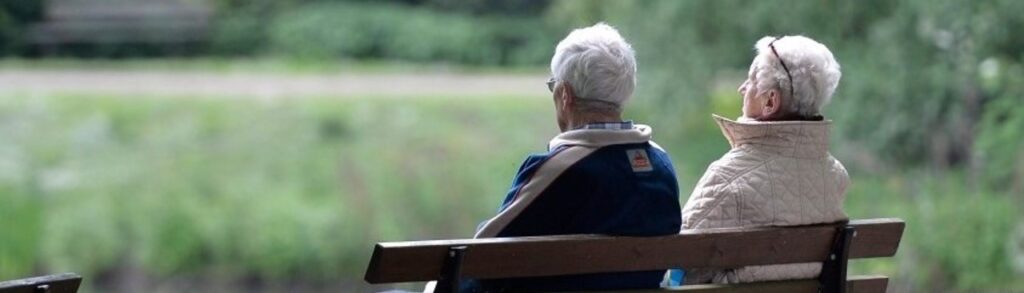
(613, 182)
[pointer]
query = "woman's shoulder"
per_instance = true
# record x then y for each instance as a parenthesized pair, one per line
(738, 161)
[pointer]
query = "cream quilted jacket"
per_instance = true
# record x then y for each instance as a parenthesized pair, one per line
(777, 174)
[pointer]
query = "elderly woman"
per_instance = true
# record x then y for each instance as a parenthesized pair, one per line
(779, 171)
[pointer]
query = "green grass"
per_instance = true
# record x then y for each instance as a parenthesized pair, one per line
(275, 190)
(298, 190)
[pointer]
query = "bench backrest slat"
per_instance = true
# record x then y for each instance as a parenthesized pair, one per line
(578, 254)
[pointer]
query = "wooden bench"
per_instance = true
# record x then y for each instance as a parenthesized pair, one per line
(62, 283)
(449, 260)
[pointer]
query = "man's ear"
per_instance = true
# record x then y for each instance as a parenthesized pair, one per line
(568, 97)
(772, 104)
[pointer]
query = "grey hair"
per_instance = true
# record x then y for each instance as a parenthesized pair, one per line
(815, 73)
(599, 65)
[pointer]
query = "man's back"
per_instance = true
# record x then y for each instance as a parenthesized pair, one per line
(624, 189)
(601, 194)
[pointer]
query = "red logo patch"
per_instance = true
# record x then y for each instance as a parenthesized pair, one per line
(639, 161)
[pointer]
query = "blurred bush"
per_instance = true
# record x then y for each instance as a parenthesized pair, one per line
(15, 15)
(960, 236)
(358, 30)
(331, 30)
(957, 239)
(238, 34)
(1000, 142)
(484, 32)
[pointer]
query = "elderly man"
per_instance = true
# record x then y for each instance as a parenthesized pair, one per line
(601, 175)
(779, 171)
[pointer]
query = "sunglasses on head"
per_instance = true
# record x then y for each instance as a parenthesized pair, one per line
(784, 67)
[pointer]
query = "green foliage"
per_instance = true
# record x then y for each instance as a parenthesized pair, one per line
(242, 27)
(477, 7)
(962, 236)
(15, 17)
(424, 36)
(353, 30)
(238, 34)
(503, 32)
(330, 30)
(1000, 143)
(956, 238)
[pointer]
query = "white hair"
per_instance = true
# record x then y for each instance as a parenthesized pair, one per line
(815, 73)
(599, 65)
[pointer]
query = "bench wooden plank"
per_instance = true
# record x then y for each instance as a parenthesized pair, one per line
(62, 283)
(578, 254)
(854, 284)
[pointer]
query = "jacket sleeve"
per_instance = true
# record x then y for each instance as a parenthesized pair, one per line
(552, 211)
(526, 171)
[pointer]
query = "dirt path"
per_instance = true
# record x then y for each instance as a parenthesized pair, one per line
(266, 85)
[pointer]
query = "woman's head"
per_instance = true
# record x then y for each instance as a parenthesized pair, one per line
(791, 78)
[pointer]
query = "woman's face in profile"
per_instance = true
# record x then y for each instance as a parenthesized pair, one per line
(748, 89)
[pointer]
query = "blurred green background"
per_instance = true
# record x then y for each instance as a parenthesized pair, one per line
(266, 145)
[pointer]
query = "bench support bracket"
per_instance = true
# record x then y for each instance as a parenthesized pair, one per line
(451, 270)
(833, 270)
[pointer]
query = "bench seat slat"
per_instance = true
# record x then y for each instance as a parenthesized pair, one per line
(578, 254)
(854, 284)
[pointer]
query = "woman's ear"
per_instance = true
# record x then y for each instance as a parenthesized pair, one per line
(772, 104)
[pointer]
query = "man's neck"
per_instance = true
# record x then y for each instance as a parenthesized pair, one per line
(580, 120)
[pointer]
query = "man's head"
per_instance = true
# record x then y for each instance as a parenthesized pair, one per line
(791, 78)
(593, 75)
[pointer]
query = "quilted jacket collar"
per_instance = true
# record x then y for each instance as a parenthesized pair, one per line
(602, 137)
(801, 139)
